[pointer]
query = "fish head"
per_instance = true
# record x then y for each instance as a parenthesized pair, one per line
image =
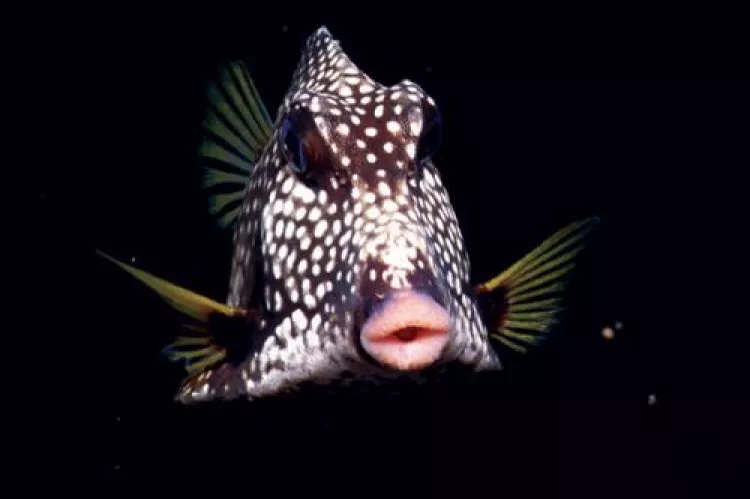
(366, 269)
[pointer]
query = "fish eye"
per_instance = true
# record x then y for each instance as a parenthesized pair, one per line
(429, 140)
(294, 148)
(303, 146)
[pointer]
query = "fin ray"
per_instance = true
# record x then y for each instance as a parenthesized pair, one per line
(197, 352)
(237, 129)
(532, 288)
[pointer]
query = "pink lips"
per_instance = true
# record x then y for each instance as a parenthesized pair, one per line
(408, 333)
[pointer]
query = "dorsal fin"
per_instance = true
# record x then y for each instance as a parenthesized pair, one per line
(237, 128)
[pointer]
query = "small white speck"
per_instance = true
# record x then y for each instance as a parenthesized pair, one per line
(383, 189)
(343, 129)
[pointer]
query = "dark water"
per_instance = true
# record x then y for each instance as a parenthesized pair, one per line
(541, 127)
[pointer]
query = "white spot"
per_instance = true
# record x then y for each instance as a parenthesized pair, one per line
(372, 212)
(342, 129)
(411, 150)
(371, 131)
(393, 126)
(365, 88)
(389, 206)
(283, 250)
(309, 301)
(345, 161)
(300, 321)
(378, 111)
(355, 119)
(288, 207)
(388, 147)
(286, 187)
(320, 228)
(348, 218)
(314, 214)
(415, 127)
(317, 253)
(371, 158)
(383, 189)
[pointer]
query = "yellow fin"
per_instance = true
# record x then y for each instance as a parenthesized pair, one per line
(198, 351)
(189, 303)
(530, 291)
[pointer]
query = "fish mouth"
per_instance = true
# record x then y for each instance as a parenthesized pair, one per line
(407, 331)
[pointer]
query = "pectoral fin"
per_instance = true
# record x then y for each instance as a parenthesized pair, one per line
(523, 303)
(197, 349)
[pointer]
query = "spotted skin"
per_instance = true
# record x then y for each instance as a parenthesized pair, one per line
(376, 219)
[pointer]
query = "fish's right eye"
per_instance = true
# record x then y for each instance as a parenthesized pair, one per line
(293, 146)
(303, 146)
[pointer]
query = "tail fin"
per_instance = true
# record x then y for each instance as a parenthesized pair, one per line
(529, 293)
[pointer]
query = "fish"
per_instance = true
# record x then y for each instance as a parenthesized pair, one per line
(348, 261)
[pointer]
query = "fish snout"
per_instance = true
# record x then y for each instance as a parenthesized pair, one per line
(405, 330)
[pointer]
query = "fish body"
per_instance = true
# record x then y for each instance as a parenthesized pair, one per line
(349, 261)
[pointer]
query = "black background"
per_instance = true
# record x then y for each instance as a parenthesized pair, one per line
(549, 117)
